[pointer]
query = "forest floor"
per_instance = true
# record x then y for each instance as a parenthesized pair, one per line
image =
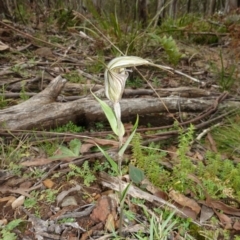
(182, 180)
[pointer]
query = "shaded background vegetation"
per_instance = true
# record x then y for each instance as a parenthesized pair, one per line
(138, 10)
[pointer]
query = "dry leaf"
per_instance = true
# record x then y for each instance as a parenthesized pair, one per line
(86, 147)
(236, 226)
(213, 145)
(225, 220)
(48, 183)
(5, 199)
(38, 162)
(185, 201)
(216, 204)
(110, 223)
(18, 202)
(102, 142)
(206, 213)
(3, 46)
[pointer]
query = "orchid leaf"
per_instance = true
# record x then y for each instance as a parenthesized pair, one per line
(124, 147)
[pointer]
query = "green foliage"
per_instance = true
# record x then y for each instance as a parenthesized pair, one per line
(113, 164)
(30, 203)
(184, 27)
(99, 126)
(83, 172)
(135, 82)
(225, 75)
(49, 147)
(148, 162)
(49, 195)
(74, 77)
(3, 101)
(219, 177)
(36, 173)
(20, 69)
(22, 13)
(69, 127)
(23, 94)
(160, 228)
(72, 151)
(65, 18)
(101, 166)
(136, 174)
(110, 116)
(170, 47)
(6, 231)
(66, 220)
(227, 136)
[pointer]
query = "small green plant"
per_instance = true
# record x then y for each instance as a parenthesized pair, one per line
(23, 94)
(170, 47)
(224, 74)
(49, 147)
(66, 220)
(149, 162)
(74, 77)
(15, 168)
(83, 172)
(18, 68)
(72, 151)
(30, 203)
(49, 195)
(99, 126)
(3, 101)
(135, 83)
(69, 127)
(36, 173)
(65, 18)
(6, 231)
(160, 228)
(227, 135)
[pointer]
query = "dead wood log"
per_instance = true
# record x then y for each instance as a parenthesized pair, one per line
(43, 112)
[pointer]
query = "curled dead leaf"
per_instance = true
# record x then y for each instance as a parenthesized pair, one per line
(185, 201)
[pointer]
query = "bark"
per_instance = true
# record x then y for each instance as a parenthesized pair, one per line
(43, 112)
(212, 7)
(189, 3)
(159, 13)
(230, 5)
(4, 12)
(173, 9)
(143, 12)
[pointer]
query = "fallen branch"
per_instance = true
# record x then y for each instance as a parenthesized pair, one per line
(43, 112)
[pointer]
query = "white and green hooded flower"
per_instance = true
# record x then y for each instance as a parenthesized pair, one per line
(115, 77)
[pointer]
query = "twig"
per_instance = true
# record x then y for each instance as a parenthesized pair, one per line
(112, 183)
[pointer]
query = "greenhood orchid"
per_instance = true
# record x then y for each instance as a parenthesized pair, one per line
(115, 77)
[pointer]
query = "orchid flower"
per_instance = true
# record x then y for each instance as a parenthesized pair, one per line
(115, 77)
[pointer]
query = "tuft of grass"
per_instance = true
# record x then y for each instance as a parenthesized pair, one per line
(225, 75)
(227, 136)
